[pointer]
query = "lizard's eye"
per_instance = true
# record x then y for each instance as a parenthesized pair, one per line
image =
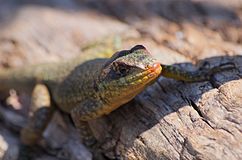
(120, 69)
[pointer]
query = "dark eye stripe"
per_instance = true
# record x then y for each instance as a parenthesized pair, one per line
(120, 68)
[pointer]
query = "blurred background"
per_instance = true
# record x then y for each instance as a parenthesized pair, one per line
(33, 31)
(174, 31)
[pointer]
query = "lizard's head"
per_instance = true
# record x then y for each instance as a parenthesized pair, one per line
(127, 73)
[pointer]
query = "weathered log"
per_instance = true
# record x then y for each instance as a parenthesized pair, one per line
(168, 120)
(176, 120)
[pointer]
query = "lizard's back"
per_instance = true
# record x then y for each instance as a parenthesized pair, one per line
(52, 74)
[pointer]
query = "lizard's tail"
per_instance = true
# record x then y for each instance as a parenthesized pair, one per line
(16, 79)
(196, 76)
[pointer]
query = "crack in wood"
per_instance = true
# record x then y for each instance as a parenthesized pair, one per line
(196, 108)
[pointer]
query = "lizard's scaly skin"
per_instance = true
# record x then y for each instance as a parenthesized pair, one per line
(92, 86)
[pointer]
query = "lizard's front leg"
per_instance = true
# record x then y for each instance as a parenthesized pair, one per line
(84, 130)
(41, 111)
(81, 114)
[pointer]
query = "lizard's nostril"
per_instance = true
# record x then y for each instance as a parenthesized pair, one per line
(156, 65)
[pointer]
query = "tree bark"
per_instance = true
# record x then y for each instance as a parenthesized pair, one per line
(169, 119)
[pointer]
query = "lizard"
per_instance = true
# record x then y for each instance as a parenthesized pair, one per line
(90, 86)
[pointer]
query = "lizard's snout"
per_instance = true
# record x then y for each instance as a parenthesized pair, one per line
(155, 68)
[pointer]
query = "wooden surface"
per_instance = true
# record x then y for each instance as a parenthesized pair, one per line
(170, 119)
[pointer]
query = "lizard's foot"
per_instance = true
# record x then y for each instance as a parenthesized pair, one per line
(107, 148)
